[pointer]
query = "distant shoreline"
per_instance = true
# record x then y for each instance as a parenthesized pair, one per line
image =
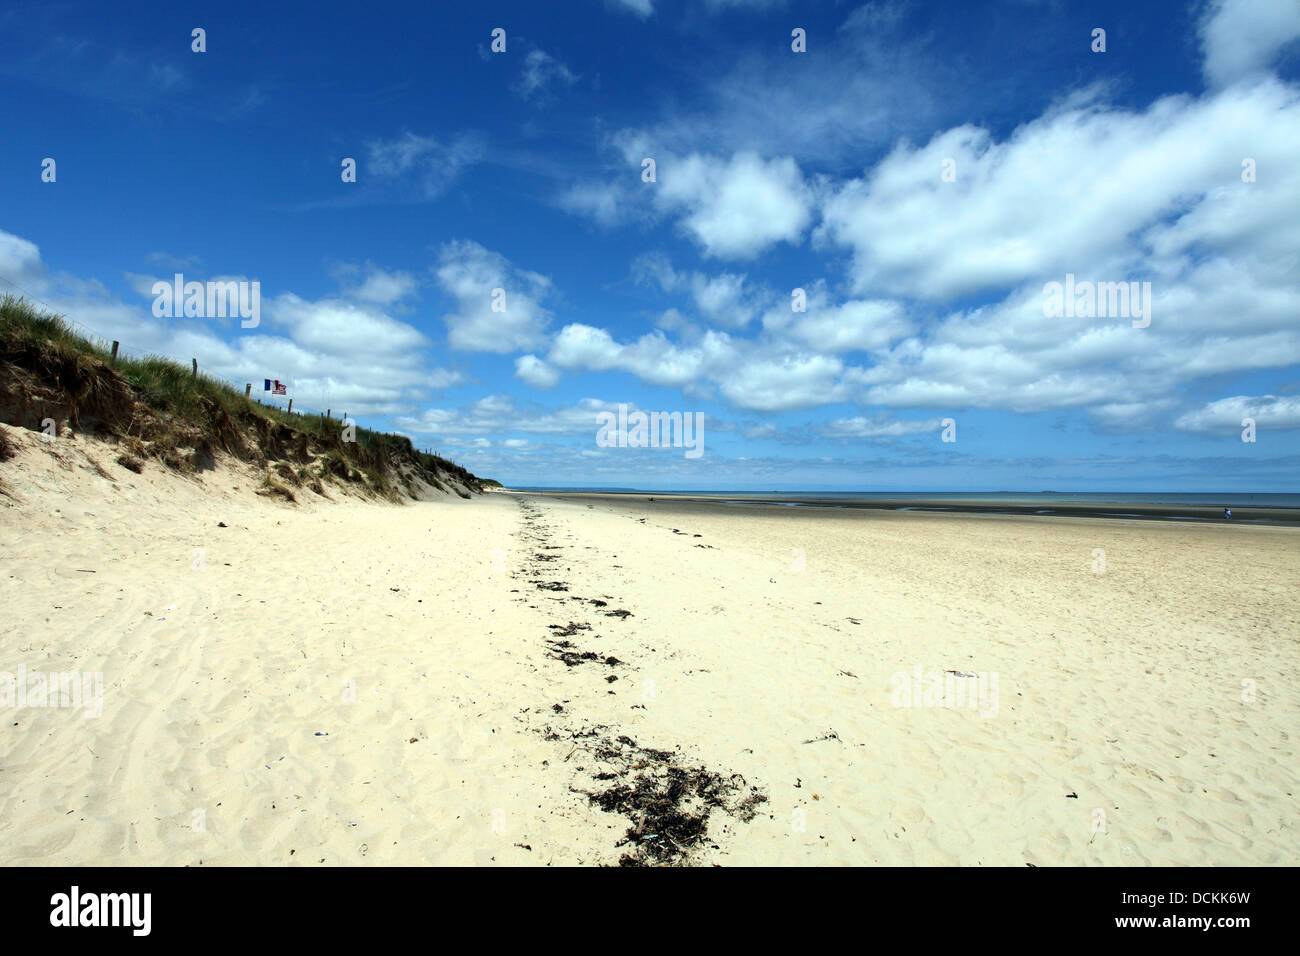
(1026, 505)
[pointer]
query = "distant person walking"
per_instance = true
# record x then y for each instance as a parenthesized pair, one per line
(1227, 513)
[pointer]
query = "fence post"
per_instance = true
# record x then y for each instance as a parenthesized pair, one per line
(113, 360)
(195, 373)
(247, 389)
(327, 412)
(291, 406)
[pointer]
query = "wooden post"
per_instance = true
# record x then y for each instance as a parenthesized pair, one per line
(247, 389)
(327, 412)
(195, 373)
(291, 406)
(114, 358)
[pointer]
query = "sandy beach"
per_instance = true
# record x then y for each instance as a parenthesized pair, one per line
(471, 682)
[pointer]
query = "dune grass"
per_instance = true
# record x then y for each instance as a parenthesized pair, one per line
(84, 371)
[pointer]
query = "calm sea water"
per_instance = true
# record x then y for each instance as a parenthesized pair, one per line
(1222, 499)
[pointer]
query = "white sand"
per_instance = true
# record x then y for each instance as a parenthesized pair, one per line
(1123, 687)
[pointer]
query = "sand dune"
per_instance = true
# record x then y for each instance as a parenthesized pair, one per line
(352, 682)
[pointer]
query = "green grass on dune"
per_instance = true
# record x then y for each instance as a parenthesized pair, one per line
(82, 369)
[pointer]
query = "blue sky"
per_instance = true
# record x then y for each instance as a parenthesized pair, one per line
(775, 170)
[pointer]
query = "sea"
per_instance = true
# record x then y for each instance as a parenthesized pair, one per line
(1254, 507)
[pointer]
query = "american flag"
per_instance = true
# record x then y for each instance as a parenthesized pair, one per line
(274, 386)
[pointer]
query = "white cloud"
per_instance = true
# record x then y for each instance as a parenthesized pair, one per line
(445, 378)
(385, 288)
(761, 430)
(1066, 192)
(541, 71)
(779, 383)
(536, 372)
(735, 208)
(500, 415)
(584, 346)
(642, 8)
(858, 324)
(652, 358)
(728, 299)
(20, 259)
(379, 287)
(874, 79)
(1107, 194)
(472, 275)
(346, 355)
(1225, 415)
(1241, 38)
(421, 163)
(342, 327)
(722, 298)
(605, 203)
(879, 426)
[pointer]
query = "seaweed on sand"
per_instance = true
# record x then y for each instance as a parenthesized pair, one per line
(669, 805)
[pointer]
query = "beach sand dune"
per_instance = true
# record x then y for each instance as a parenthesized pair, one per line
(351, 682)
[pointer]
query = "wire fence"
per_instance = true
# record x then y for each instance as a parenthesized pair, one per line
(256, 390)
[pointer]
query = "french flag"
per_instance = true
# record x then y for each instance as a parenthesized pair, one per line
(274, 386)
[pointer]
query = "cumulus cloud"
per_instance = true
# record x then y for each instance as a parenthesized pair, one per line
(783, 382)
(1241, 38)
(441, 378)
(376, 286)
(827, 326)
(1152, 192)
(343, 327)
(1171, 207)
(733, 207)
(653, 357)
(767, 376)
(536, 372)
(1107, 172)
(20, 259)
(342, 353)
(738, 207)
(476, 278)
(1109, 194)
